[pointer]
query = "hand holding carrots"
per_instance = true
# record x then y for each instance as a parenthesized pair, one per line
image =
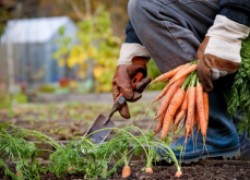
(183, 99)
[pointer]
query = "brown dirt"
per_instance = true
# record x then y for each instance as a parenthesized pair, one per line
(63, 122)
(204, 170)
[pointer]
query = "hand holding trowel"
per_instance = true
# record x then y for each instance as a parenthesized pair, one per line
(105, 123)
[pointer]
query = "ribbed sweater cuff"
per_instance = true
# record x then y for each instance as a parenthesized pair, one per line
(236, 15)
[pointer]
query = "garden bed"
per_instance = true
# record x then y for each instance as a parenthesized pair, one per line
(206, 169)
(64, 122)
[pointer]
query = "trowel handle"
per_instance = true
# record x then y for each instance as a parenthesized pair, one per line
(120, 101)
(137, 78)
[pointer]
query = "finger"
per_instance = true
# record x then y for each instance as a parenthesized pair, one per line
(205, 77)
(115, 91)
(124, 111)
(200, 51)
(136, 97)
(133, 70)
(139, 64)
(206, 83)
(123, 82)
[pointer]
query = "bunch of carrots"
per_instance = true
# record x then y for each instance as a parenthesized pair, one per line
(182, 99)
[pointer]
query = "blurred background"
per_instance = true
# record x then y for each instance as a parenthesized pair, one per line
(57, 60)
(59, 47)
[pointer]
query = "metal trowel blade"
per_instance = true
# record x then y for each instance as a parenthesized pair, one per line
(95, 132)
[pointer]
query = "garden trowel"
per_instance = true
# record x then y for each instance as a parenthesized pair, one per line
(101, 128)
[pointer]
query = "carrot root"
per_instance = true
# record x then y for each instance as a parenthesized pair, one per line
(149, 170)
(174, 104)
(166, 76)
(126, 171)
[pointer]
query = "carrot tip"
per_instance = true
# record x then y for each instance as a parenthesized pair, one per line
(178, 174)
(149, 170)
(126, 171)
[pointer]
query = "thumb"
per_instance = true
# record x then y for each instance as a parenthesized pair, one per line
(205, 76)
(202, 47)
(124, 111)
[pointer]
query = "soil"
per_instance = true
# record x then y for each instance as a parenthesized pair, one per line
(204, 170)
(66, 121)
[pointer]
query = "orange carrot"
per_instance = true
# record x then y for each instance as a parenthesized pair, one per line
(197, 118)
(190, 110)
(178, 174)
(149, 170)
(162, 93)
(200, 109)
(126, 171)
(159, 123)
(170, 88)
(165, 90)
(182, 112)
(183, 72)
(206, 105)
(167, 98)
(174, 104)
(166, 76)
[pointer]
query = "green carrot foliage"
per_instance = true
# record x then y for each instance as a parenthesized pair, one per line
(238, 99)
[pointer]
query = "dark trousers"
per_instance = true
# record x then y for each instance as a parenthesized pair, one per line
(171, 30)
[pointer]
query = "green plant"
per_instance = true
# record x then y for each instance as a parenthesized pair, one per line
(125, 144)
(238, 98)
(16, 150)
(67, 159)
(20, 152)
(82, 156)
(46, 88)
(96, 46)
(79, 156)
(5, 99)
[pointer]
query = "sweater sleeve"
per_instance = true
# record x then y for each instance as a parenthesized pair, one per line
(236, 10)
(132, 47)
(131, 36)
